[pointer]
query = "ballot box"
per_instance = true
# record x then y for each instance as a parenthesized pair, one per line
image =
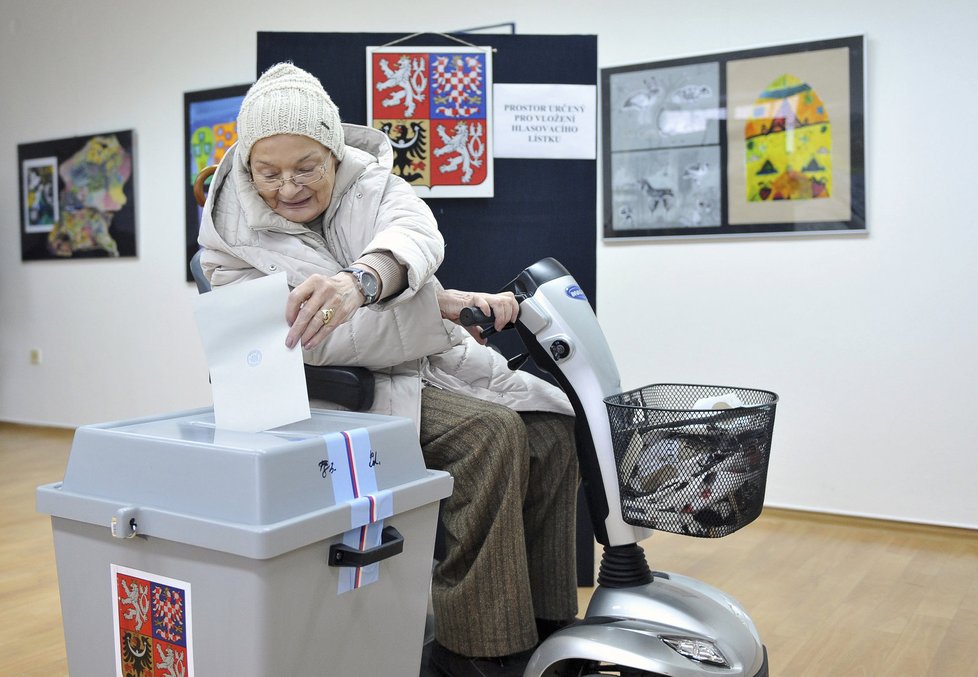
(183, 549)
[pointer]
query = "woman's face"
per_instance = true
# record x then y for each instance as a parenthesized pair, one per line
(284, 156)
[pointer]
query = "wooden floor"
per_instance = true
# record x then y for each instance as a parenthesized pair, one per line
(830, 596)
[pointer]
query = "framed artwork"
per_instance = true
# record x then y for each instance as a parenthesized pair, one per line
(40, 196)
(77, 198)
(435, 105)
(210, 128)
(765, 141)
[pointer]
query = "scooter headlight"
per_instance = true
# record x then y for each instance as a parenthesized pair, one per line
(696, 649)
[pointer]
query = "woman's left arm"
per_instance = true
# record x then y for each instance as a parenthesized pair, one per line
(407, 231)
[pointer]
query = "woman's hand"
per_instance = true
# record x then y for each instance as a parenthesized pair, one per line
(504, 305)
(320, 304)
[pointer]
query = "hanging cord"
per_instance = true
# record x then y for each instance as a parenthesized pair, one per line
(444, 35)
(509, 24)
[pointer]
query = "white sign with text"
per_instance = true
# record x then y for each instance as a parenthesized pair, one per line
(556, 122)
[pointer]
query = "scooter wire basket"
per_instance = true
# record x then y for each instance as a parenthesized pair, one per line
(692, 459)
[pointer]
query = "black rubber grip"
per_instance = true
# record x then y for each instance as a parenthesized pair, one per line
(474, 316)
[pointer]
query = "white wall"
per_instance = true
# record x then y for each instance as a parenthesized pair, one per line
(870, 340)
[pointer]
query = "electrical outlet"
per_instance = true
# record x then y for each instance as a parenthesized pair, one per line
(35, 355)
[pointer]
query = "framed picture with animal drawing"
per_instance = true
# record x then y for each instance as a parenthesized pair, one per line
(210, 118)
(77, 198)
(766, 141)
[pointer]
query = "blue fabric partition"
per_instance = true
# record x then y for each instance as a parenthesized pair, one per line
(540, 208)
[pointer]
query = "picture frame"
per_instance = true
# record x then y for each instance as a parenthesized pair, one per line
(40, 194)
(210, 128)
(755, 142)
(77, 197)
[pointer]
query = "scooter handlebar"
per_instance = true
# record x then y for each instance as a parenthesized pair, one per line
(472, 316)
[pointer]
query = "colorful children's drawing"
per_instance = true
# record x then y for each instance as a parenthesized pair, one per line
(212, 124)
(93, 190)
(788, 144)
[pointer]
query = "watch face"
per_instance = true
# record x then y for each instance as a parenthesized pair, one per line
(369, 284)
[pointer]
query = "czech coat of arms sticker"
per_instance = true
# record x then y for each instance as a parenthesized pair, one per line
(434, 104)
(152, 625)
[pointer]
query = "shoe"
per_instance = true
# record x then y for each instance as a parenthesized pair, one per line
(450, 664)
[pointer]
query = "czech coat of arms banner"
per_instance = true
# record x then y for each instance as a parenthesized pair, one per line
(434, 104)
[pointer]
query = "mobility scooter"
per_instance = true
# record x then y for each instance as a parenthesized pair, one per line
(686, 459)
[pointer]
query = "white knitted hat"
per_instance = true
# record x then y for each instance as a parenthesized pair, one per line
(288, 100)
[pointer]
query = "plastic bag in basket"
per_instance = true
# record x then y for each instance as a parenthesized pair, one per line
(695, 483)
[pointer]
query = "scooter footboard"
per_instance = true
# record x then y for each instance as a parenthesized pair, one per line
(605, 646)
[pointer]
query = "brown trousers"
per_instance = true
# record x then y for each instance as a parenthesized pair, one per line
(509, 525)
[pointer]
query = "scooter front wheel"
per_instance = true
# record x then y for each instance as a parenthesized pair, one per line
(585, 668)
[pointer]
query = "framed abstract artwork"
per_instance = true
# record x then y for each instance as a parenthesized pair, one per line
(765, 141)
(77, 198)
(210, 128)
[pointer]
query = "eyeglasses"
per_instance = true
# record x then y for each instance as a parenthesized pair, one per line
(300, 180)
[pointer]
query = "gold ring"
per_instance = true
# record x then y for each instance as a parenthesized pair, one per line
(327, 314)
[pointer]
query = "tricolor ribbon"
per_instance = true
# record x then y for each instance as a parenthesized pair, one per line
(355, 482)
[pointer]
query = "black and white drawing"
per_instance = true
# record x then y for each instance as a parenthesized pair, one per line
(665, 154)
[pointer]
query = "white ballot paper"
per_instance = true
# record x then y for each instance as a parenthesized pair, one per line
(258, 383)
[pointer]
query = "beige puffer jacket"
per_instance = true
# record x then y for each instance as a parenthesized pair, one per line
(402, 339)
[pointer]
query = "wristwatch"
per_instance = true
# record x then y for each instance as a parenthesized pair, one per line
(367, 282)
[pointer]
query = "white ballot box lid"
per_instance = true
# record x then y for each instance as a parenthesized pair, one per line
(257, 495)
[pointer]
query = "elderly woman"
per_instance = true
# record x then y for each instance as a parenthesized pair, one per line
(303, 194)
